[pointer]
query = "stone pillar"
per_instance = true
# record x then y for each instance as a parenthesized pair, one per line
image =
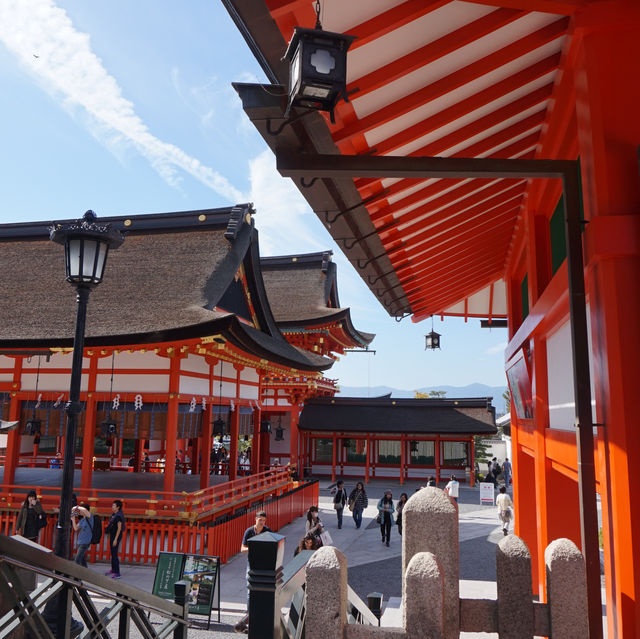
(430, 524)
(515, 602)
(326, 593)
(566, 590)
(423, 605)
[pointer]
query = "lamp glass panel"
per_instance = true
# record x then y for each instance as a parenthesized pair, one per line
(73, 253)
(103, 248)
(322, 61)
(88, 259)
(316, 92)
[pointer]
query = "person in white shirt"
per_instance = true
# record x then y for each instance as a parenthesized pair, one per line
(453, 488)
(504, 503)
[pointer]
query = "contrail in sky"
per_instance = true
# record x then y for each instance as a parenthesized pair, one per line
(43, 38)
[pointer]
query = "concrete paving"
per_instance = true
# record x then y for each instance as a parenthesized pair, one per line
(372, 566)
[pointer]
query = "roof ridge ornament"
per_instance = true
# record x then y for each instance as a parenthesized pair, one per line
(234, 224)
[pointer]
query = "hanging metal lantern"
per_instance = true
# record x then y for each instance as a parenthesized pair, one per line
(346, 443)
(279, 431)
(432, 341)
(414, 446)
(317, 68)
(265, 426)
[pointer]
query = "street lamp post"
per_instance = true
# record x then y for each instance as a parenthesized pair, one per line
(86, 245)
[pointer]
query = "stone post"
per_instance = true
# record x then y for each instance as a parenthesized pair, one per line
(326, 593)
(266, 552)
(423, 609)
(430, 524)
(566, 590)
(515, 601)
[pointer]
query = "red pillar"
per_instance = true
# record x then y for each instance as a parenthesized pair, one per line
(607, 98)
(255, 441)
(233, 444)
(172, 425)
(205, 447)
(295, 443)
(13, 443)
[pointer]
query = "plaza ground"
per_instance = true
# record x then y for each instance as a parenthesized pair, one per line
(372, 566)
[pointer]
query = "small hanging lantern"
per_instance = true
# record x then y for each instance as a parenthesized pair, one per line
(317, 67)
(265, 426)
(432, 339)
(219, 424)
(33, 425)
(346, 443)
(109, 426)
(414, 446)
(279, 431)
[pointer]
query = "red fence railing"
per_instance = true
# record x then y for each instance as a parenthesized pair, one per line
(144, 538)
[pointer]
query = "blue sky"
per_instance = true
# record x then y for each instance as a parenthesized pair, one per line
(127, 108)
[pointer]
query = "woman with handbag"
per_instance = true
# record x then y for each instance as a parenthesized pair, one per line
(385, 515)
(313, 524)
(358, 501)
(31, 517)
(339, 500)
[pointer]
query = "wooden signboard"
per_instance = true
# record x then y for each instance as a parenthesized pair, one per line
(201, 570)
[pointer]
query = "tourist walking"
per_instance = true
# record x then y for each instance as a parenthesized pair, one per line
(115, 530)
(339, 500)
(259, 527)
(506, 471)
(31, 517)
(453, 488)
(358, 501)
(401, 502)
(504, 504)
(385, 510)
(82, 521)
(314, 524)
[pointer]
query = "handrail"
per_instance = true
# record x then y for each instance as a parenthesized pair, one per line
(358, 611)
(157, 503)
(62, 576)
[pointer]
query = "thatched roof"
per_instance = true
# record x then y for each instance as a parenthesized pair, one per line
(303, 291)
(164, 283)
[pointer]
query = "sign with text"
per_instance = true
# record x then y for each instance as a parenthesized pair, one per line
(487, 492)
(201, 570)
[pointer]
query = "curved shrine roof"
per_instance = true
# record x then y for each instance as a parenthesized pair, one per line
(170, 280)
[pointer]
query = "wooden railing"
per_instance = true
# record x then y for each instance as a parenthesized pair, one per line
(223, 516)
(209, 502)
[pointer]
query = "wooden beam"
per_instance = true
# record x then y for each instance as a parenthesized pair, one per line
(299, 165)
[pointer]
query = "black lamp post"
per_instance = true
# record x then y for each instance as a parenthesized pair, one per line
(86, 245)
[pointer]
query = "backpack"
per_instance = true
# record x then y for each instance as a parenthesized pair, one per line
(96, 530)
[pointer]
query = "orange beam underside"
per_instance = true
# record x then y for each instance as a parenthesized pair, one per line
(432, 51)
(465, 75)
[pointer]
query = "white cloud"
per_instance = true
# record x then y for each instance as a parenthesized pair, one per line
(286, 223)
(68, 70)
(498, 348)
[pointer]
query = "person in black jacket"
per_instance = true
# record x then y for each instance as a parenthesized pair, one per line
(339, 500)
(359, 500)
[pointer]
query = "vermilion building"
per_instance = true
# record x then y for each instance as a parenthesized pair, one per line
(179, 334)
(486, 166)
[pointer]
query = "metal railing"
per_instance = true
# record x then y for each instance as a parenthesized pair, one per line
(67, 585)
(291, 593)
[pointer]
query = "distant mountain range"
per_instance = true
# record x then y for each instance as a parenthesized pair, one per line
(472, 390)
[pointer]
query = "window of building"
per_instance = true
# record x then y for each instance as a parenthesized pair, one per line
(357, 451)
(389, 451)
(422, 453)
(454, 454)
(323, 450)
